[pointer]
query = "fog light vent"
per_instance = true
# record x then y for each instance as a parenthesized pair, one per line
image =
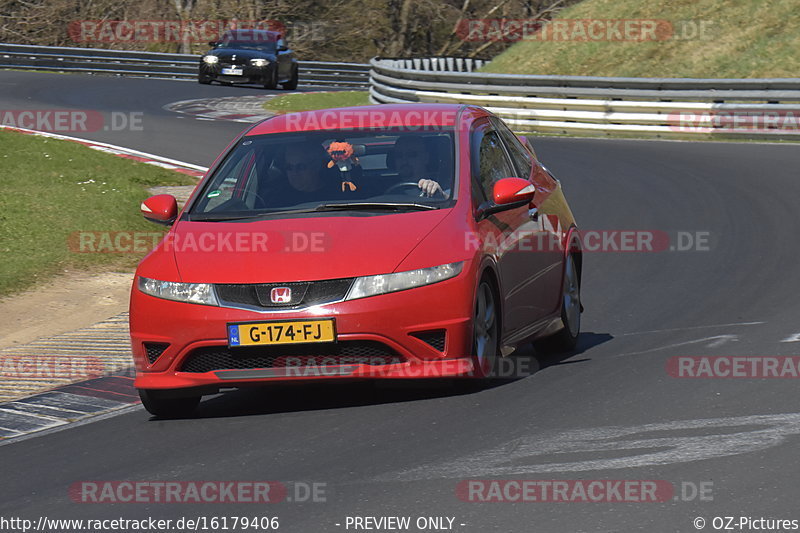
(434, 337)
(154, 350)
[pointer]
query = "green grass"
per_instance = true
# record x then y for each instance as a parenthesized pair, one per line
(291, 103)
(744, 39)
(52, 189)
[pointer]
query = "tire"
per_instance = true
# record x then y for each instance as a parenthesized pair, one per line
(485, 332)
(291, 85)
(271, 82)
(202, 80)
(158, 403)
(566, 339)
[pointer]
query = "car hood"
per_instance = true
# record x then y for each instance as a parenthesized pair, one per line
(297, 249)
(242, 56)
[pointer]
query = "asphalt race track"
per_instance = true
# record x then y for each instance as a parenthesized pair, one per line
(161, 132)
(610, 411)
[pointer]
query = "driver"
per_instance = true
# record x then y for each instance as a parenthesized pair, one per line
(414, 163)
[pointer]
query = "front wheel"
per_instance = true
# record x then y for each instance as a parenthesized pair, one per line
(271, 79)
(485, 332)
(160, 404)
(291, 85)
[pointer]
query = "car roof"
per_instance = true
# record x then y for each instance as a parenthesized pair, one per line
(254, 35)
(367, 117)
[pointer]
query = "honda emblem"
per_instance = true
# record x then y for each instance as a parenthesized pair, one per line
(280, 295)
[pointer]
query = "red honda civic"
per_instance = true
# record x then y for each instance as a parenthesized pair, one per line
(391, 241)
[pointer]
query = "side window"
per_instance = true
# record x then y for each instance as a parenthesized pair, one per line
(490, 162)
(229, 181)
(518, 153)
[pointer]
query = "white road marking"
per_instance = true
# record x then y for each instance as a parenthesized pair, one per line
(722, 339)
(118, 411)
(713, 342)
(701, 440)
(693, 327)
(794, 337)
(36, 416)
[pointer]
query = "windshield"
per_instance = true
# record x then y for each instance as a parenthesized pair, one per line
(330, 170)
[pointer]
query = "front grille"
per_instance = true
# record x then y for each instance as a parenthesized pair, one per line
(435, 338)
(303, 293)
(154, 350)
(208, 359)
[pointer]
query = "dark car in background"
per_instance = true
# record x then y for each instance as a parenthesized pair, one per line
(250, 56)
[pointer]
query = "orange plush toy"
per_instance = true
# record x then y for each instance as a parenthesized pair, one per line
(342, 156)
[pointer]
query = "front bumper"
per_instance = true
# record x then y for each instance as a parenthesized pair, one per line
(250, 73)
(400, 322)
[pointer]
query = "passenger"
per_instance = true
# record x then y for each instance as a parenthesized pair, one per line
(307, 178)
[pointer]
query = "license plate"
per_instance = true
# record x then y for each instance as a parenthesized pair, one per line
(233, 71)
(281, 332)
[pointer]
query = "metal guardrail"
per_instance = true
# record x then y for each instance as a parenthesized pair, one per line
(739, 108)
(160, 65)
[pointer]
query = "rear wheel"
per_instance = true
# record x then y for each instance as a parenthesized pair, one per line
(203, 80)
(566, 339)
(160, 404)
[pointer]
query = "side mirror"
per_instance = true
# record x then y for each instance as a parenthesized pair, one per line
(213, 44)
(282, 48)
(513, 190)
(161, 209)
(507, 193)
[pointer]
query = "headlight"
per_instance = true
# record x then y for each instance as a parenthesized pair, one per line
(210, 60)
(372, 285)
(196, 293)
(259, 62)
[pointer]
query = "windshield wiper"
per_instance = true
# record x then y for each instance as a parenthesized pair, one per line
(373, 206)
(221, 217)
(203, 217)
